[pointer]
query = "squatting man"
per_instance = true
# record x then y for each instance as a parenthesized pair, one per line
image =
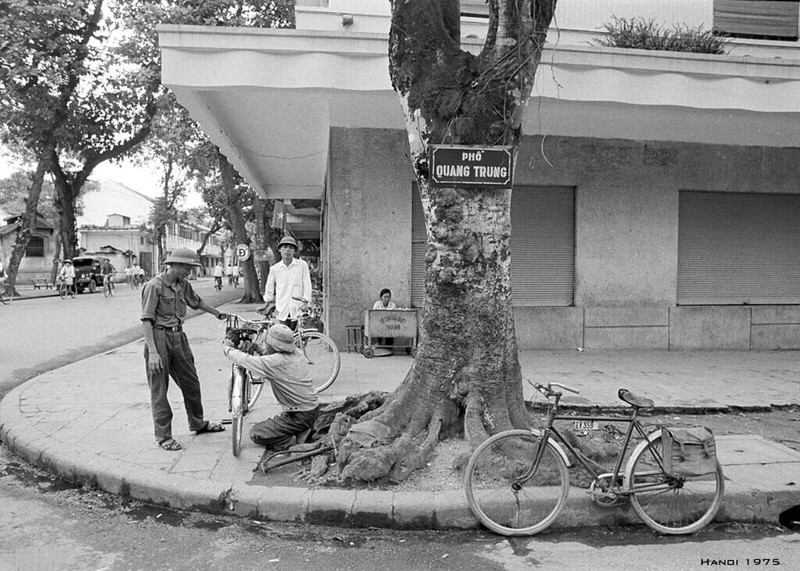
(287, 370)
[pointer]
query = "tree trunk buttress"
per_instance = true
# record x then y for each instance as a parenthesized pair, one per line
(236, 217)
(466, 378)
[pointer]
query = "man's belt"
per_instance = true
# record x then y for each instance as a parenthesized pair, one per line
(176, 328)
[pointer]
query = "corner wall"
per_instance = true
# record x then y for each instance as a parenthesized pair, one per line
(367, 224)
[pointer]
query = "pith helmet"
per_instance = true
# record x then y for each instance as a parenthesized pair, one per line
(288, 240)
(183, 256)
(281, 338)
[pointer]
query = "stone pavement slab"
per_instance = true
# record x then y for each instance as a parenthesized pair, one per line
(90, 421)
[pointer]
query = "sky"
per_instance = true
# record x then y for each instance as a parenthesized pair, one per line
(142, 179)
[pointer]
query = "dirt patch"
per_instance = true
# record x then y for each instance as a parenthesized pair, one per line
(446, 470)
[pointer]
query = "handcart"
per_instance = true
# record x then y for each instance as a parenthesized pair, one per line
(384, 325)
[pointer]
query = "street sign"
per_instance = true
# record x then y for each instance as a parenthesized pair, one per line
(242, 252)
(470, 166)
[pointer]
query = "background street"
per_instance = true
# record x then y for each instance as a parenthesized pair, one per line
(52, 524)
(38, 334)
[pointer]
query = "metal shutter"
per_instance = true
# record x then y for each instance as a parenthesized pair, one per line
(757, 18)
(738, 249)
(542, 247)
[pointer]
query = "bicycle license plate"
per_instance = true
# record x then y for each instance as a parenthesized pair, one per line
(586, 425)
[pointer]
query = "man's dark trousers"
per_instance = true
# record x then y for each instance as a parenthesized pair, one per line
(177, 362)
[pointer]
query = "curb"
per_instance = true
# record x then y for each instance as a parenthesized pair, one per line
(324, 506)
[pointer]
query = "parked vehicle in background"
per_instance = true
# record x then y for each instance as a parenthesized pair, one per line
(87, 272)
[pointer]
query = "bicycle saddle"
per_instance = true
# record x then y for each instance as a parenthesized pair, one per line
(633, 400)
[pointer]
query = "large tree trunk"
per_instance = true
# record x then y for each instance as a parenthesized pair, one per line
(466, 378)
(252, 294)
(28, 222)
(261, 239)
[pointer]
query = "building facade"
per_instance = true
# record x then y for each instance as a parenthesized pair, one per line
(37, 265)
(656, 202)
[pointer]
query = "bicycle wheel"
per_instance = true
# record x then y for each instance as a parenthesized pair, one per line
(506, 493)
(62, 290)
(106, 290)
(238, 403)
(668, 504)
(322, 356)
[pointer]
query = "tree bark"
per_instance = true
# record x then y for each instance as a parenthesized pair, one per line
(28, 222)
(466, 379)
(236, 216)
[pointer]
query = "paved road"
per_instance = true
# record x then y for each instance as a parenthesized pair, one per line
(41, 334)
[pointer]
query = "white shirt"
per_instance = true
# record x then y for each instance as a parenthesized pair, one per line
(285, 282)
(68, 273)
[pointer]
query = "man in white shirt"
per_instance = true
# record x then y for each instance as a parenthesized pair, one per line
(288, 288)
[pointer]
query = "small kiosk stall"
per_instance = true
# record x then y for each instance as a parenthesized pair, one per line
(400, 325)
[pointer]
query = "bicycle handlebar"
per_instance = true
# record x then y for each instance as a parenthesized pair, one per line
(547, 390)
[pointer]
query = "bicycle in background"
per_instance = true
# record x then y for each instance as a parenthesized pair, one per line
(517, 481)
(65, 289)
(108, 286)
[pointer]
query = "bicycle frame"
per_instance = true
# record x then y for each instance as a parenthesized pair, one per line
(551, 432)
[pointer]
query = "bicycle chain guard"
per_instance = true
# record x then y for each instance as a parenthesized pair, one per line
(601, 496)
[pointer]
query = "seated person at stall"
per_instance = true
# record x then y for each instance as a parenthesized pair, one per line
(288, 372)
(384, 344)
(385, 301)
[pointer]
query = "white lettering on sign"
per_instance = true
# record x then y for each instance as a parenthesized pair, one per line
(490, 172)
(473, 157)
(453, 170)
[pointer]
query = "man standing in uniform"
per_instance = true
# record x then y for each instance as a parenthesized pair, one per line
(288, 288)
(167, 352)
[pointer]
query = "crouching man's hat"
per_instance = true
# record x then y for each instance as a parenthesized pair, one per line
(281, 338)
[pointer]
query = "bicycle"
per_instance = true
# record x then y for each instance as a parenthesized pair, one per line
(65, 289)
(244, 389)
(217, 283)
(108, 286)
(517, 481)
(6, 293)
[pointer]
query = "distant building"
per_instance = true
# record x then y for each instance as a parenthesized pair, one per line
(38, 261)
(113, 196)
(122, 236)
(189, 234)
(121, 242)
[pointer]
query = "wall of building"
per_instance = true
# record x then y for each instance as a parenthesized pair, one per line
(626, 238)
(367, 229)
(31, 268)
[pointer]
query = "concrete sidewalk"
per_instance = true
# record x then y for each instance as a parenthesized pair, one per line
(90, 421)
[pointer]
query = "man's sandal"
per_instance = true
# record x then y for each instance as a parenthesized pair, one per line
(170, 445)
(211, 427)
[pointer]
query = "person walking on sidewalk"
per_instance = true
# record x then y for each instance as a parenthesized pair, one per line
(288, 372)
(167, 352)
(288, 288)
